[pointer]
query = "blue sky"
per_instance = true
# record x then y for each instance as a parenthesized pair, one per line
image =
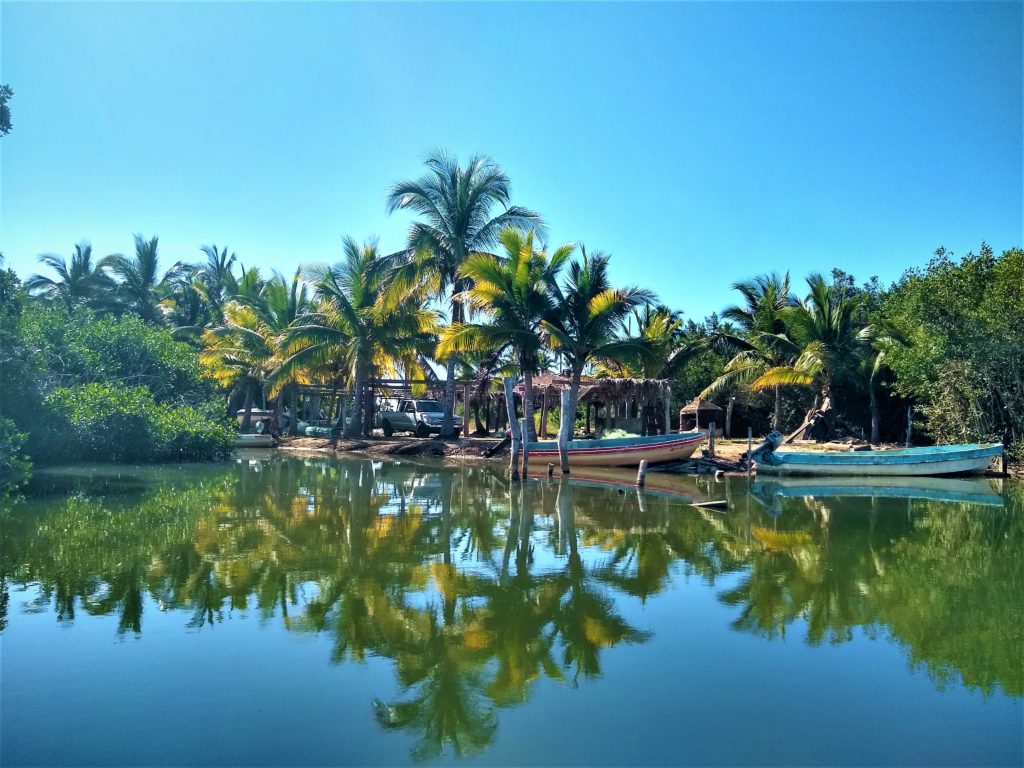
(699, 143)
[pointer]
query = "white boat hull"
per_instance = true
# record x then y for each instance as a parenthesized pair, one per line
(254, 441)
(623, 452)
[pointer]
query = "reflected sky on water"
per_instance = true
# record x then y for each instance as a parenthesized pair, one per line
(285, 610)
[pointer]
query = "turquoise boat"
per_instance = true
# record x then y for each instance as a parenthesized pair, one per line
(932, 460)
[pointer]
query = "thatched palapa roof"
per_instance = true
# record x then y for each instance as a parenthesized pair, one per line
(699, 406)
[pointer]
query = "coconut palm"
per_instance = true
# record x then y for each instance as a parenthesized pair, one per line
(216, 279)
(587, 315)
(242, 353)
(762, 342)
(456, 204)
(661, 346)
(81, 281)
(517, 292)
(140, 286)
(363, 322)
(828, 339)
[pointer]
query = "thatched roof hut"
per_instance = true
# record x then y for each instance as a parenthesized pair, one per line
(698, 412)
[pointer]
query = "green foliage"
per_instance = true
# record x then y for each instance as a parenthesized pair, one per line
(79, 348)
(15, 467)
(964, 364)
(114, 422)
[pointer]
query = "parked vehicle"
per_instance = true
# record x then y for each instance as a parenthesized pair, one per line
(421, 417)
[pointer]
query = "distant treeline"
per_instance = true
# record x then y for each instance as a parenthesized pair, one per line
(114, 358)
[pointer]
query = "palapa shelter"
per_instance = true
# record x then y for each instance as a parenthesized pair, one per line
(698, 414)
(640, 406)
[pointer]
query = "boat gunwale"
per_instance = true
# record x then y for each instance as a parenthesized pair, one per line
(921, 455)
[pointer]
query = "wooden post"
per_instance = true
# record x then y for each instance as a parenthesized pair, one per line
(543, 431)
(465, 410)
(551, 470)
(910, 424)
(711, 439)
(750, 447)
(728, 417)
(526, 446)
(513, 422)
(564, 431)
(668, 409)
(641, 474)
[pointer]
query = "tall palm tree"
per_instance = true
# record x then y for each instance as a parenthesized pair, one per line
(364, 322)
(762, 342)
(661, 345)
(216, 279)
(140, 286)
(282, 304)
(587, 315)
(79, 282)
(456, 206)
(242, 353)
(517, 292)
(829, 339)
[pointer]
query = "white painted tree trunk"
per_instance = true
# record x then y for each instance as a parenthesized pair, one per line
(513, 422)
(565, 429)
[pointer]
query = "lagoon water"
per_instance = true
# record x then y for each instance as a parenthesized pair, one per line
(309, 611)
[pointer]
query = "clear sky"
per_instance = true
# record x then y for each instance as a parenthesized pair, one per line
(699, 143)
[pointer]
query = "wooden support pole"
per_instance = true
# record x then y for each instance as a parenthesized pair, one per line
(526, 446)
(750, 447)
(711, 439)
(910, 424)
(641, 474)
(668, 409)
(513, 422)
(551, 470)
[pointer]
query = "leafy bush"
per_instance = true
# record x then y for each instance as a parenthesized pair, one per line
(15, 468)
(114, 422)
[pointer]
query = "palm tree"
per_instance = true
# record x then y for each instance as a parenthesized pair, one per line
(364, 322)
(456, 205)
(140, 287)
(281, 305)
(587, 315)
(762, 342)
(242, 353)
(216, 280)
(517, 292)
(79, 282)
(825, 331)
(661, 347)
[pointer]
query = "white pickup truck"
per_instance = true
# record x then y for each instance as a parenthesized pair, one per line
(421, 417)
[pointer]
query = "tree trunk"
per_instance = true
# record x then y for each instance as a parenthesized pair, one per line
(247, 419)
(355, 425)
(293, 423)
(565, 429)
(368, 404)
(531, 436)
(544, 414)
(777, 415)
(510, 406)
(448, 421)
(875, 419)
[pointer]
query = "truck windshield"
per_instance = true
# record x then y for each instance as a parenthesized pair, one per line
(428, 406)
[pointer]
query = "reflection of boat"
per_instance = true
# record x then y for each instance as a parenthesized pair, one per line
(934, 488)
(620, 451)
(933, 460)
(679, 487)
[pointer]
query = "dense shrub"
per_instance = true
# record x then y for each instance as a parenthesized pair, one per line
(114, 422)
(964, 365)
(15, 468)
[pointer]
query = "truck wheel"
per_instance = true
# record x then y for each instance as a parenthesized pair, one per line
(388, 429)
(422, 430)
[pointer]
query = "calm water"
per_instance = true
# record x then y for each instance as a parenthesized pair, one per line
(309, 611)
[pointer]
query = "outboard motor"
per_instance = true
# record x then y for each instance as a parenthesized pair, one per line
(763, 453)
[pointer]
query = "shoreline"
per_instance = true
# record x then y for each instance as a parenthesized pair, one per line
(471, 449)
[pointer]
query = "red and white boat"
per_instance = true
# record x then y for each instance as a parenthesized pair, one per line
(620, 451)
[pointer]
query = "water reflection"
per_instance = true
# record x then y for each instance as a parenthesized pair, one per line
(476, 589)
